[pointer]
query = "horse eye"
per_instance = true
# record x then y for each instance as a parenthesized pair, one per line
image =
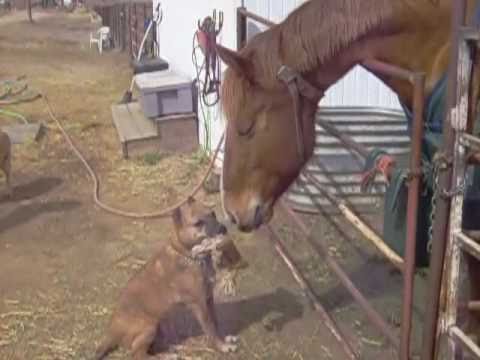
(249, 132)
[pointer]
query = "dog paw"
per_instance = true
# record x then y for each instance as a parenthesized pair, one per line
(226, 347)
(231, 339)
(167, 357)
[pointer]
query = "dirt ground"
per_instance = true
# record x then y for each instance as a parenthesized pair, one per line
(63, 261)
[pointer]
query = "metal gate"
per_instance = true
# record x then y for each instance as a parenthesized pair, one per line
(450, 248)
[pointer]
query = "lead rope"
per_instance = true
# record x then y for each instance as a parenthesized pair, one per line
(96, 183)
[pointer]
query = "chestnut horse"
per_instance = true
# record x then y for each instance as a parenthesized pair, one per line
(321, 40)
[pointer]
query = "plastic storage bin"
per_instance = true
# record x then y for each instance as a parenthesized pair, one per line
(164, 93)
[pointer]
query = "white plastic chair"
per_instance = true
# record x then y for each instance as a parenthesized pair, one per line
(103, 36)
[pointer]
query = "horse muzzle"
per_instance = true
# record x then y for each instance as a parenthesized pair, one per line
(250, 219)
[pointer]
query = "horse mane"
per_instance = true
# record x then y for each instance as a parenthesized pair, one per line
(312, 34)
(316, 31)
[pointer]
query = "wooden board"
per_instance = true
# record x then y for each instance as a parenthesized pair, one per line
(137, 133)
(179, 132)
(140, 135)
(24, 133)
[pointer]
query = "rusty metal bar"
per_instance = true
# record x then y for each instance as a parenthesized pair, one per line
(307, 289)
(345, 139)
(412, 214)
(469, 245)
(456, 334)
(349, 142)
(440, 224)
(247, 14)
(371, 313)
(474, 306)
(360, 225)
(389, 69)
(241, 27)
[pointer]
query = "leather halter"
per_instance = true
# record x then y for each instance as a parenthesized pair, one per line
(298, 87)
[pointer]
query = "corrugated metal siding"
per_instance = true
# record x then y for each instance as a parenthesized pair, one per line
(340, 170)
(357, 88)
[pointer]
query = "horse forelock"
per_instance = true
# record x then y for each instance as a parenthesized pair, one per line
(233, 96)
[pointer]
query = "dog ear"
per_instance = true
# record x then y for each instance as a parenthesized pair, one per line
(177, 217)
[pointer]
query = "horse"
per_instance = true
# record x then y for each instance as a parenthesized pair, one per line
(321, 41)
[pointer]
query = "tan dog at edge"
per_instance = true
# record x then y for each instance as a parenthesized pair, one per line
(6, 159)
(180, 273)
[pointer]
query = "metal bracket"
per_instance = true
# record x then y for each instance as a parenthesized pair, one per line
(448, 194)
(286, 74)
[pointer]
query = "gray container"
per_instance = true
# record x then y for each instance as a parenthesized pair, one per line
(164, 93)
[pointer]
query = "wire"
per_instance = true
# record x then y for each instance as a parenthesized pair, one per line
(199, 69)
(14, 115)
(200, 85)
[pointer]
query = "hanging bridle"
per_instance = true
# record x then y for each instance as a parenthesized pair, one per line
(298, 87)
(207, 34)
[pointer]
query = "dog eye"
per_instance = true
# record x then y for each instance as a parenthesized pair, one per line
(199, 223)
(213, 215)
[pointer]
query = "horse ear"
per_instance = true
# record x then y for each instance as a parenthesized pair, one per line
(233, 59)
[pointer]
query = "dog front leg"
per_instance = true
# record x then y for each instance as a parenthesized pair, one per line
(212, 313)
(230, 339)
(7, 169)
(207, 322)
(141, 344)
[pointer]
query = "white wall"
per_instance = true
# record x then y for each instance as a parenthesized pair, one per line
(176, 38)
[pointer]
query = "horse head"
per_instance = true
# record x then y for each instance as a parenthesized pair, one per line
(261, 149)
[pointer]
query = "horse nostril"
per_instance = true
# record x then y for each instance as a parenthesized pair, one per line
(258, 218)
(222, 230)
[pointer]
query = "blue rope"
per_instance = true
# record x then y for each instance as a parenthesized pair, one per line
(476, 19)
(435, 108)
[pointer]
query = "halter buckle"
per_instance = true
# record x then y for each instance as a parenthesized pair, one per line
(286, 74)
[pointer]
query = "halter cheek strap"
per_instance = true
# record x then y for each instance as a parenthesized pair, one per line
(298, 87)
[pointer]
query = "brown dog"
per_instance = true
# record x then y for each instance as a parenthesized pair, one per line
(6, 159)
(181, 273)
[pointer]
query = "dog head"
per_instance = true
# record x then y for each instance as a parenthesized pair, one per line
(197, 229)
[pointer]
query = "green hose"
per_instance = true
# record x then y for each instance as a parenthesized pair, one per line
(14, 115)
